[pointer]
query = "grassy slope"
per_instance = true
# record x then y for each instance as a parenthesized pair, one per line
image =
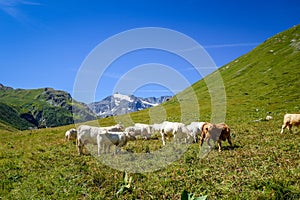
(10, 119)
(263, 164)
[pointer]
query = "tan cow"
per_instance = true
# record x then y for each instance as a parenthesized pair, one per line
(216, 132)
(290, 120)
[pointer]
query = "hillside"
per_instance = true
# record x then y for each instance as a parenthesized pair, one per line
(43, 107)
(263, 164)
(10, 119)
(262, 82)
(266, 79)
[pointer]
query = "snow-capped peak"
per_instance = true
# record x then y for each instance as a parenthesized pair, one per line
(118, 104)
(122, 97)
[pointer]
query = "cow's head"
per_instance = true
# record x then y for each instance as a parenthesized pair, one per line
(207, 127)
(73, 131)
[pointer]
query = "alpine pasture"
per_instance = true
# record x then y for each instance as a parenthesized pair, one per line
(262, 164)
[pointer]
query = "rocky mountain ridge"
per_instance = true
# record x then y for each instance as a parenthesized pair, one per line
(45, 107)
(118, 104)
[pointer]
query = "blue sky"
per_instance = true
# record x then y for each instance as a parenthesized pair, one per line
(44, 43)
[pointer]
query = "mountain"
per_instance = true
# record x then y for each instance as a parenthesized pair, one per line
(118, 104)
(46, 107)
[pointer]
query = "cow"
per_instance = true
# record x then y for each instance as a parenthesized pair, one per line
(87, 135)
(216, 132)
(71, 134)
(156, 127)
(290, 120)
(145, 129)
(135, 131)
(195, 129)
(176, 129)
(107, 139)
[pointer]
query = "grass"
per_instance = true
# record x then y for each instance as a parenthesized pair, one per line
(263, 164)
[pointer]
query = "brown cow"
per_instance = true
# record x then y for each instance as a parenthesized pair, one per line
(290, 120)
(216, 132)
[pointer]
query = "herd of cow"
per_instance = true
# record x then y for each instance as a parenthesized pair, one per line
(117, 135)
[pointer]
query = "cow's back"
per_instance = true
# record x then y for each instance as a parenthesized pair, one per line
(294, 119)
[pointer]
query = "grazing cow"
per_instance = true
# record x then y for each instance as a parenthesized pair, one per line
(156, 127)
(146, 130)
(195, 129)
(107, 139)
(176, 129)
(143, 130)
(216, 132)
(134, 131)
(71, 134)
(290, 120)
(87, 135)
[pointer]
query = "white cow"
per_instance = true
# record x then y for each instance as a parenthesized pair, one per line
(107, 139)
(71, 134)
(146, 130)
(143, 130)
(195, 129)
(87, 135)
(176, 129)
(135, 131)
(290, 120)
(156, 127)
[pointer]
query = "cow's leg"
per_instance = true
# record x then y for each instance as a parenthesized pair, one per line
(117, 149)
(80, 147)
(175, 139)
(202, 139)
(283, 127)
(229, 141)
(219, 145)
(108, 148)
(289, 127)
(208, 142)
(99, 149)
(163, 138)
(195, 137)
(148, 136)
